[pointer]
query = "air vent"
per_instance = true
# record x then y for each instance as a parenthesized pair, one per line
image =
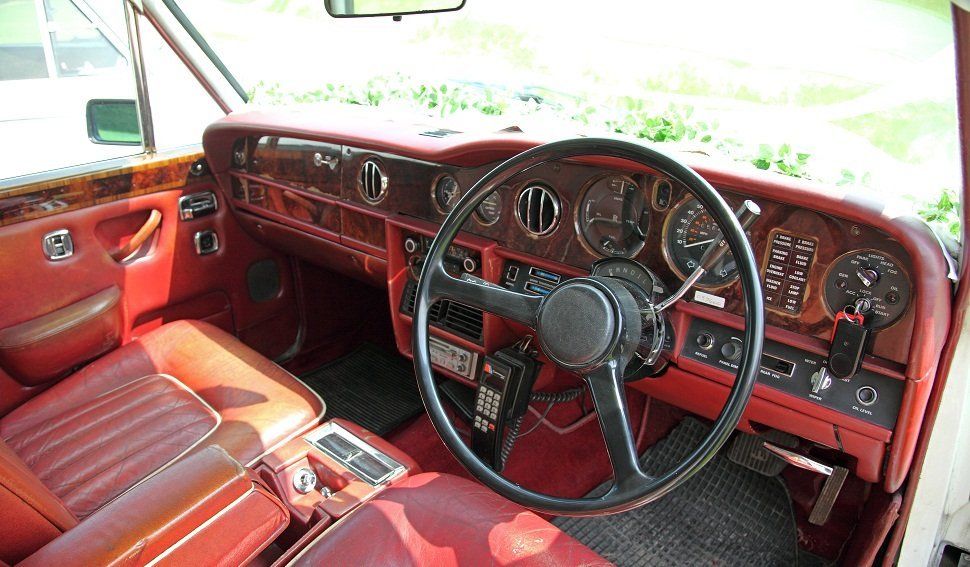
(373, 182)
(538, 210)
(464, 320)
(457, 318)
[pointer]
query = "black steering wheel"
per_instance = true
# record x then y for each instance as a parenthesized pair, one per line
(588, 325)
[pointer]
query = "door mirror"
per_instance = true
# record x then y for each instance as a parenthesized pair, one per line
(114, 122)
(366, 8)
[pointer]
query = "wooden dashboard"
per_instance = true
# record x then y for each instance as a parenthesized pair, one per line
(301, 184)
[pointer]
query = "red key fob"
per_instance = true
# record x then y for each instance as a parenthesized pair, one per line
(857, 318)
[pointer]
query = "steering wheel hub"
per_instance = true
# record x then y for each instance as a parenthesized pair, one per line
(578, 324)
(586, 321)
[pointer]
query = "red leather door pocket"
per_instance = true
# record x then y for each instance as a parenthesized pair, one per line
(46, 347)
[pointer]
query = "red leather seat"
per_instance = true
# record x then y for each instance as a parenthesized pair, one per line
(138, 409)
(441, 520)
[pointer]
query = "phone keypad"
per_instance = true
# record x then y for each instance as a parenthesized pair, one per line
(487, 406)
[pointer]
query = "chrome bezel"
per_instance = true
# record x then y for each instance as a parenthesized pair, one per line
(478, 216)
(379, 165)
(556, 202)
(672, 264)
(653, 193)
(434, 193)
(578, 212)
(904, 272)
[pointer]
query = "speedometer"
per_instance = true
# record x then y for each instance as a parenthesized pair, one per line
(688, 233)
(613, 217)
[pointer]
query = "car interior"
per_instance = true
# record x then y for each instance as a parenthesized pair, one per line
(327, 337)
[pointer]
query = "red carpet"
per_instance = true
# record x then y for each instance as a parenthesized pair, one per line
(568, 465)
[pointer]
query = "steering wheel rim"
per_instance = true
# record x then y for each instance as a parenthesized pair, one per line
(629, 490)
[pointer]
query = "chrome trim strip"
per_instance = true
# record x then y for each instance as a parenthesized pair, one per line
(141, 81)
(161, 19)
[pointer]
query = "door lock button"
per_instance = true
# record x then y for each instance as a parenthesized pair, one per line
(206, 242)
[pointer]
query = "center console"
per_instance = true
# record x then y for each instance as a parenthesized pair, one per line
(330, 471)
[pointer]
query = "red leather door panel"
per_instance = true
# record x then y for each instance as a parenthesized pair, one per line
(163, 280)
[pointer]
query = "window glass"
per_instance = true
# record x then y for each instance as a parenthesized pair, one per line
(21, 46)
(80, 46)
(181, 108)
(43, 123)
(859, 94)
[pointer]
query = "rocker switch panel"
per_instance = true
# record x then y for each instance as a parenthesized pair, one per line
(58, 245)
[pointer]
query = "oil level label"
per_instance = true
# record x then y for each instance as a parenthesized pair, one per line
(709, 299)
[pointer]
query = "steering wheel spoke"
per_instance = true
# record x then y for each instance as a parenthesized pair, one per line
(606, 386)
(476, 292)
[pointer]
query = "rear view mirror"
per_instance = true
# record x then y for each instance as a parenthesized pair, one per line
(365, 8)
(114, 122)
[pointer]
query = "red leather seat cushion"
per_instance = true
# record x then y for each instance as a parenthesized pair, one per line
(439, 519)
(180, 388)
(91, 453)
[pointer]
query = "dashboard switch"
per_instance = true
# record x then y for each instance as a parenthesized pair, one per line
(821, 380)
(867, 276)
(732, 350)
(705, 341)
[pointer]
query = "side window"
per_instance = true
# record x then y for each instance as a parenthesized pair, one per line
(56, 56)
(181, 108)
(21, 42)
(81, 46)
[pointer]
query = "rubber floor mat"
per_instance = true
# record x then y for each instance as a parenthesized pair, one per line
(370, 387)
(725, 515)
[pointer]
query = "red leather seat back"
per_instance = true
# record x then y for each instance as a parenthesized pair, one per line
(30, 514)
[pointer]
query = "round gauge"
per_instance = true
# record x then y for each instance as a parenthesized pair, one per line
(648, 360)
(447, 192)
(688, 233)
(489, 210)
(613, 217)
(870, 275)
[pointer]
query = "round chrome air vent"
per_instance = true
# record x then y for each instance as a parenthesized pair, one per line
(538, 210)
(372, 183)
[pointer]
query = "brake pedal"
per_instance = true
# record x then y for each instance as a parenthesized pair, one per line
(830, 490)
(746, 450)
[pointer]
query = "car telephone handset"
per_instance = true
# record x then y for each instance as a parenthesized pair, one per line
(747, 213)
(502, 398)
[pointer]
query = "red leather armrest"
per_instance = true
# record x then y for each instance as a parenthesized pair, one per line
(204, 510)
(41, 349)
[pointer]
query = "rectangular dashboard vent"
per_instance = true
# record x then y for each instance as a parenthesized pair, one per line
(440, 133)
(463, 320)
